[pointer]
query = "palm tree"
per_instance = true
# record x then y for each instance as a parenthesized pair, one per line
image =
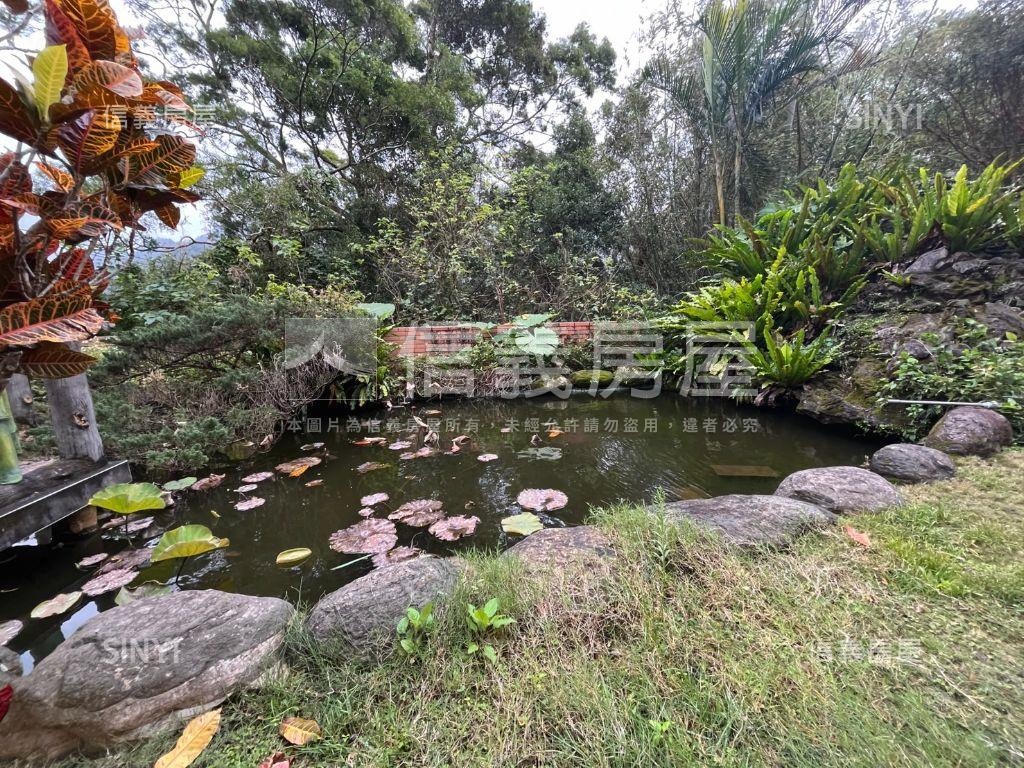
(752, 52)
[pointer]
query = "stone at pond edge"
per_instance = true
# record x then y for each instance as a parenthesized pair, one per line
(363, 611)
(750, 521)
(970, 431)
(561, 550)
(142, 669)
(912, 463)
(841, 490)
(10, 665)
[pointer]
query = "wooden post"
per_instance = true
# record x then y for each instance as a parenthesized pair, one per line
(73, 418)
(19, 392)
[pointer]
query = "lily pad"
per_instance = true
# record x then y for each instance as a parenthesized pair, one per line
(396, 555)
(57, 605)
(208, 483)
(247, 488)
(370, 466)
(293, 556)
(180, 485)
(373, 536)
(146, 589)
(399, 445)
(541, 453)
(523, 524)
(91, 560)
(370, 441)
(142, 524)
(455, 527)
(485, 457)
(422, 453)
(9, 630)
(366, 512)
(251, 503)
(109, 581)
(542, 499)
(298, 465)
(257, 477)
(129, 560)
(419, 513)
(128, 498)
(186, 541)
(374, 499)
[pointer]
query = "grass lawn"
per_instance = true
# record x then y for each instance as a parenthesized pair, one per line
(905, 652)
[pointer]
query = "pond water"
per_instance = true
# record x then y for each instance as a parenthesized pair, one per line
(609, 449)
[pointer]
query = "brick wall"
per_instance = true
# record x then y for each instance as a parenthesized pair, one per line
(415, 341)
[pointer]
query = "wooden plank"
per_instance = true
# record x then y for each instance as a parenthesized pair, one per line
(52, 491)
(743, 470)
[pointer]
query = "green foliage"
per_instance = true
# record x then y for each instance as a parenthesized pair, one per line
(790, 362)
(484, 623)
(128, 498)
(414, 628)
(973, 368)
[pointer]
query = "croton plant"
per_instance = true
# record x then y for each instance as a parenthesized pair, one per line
(88, 162)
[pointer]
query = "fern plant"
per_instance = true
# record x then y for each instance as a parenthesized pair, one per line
(790, 362)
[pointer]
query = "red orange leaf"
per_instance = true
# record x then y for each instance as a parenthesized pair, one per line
(109, 76)
(861, 538)
(63, 180)
(54, 361)
(62, 317)
(95, 24)
(16, 120)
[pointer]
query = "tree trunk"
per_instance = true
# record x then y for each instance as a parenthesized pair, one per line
(720, 186)
(73, 418)
(19, 391)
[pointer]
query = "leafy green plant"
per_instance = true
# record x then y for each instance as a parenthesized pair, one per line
(127, 499)
(484, 623)
(790, 362)
(414, 627)
(186, 542)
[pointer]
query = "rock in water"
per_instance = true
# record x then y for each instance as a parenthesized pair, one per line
(360, 613)
(751, 521)
(142, 669)
(912, 463)
(841, 490)
(970, 431)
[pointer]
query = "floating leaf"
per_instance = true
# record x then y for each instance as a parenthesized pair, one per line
(432, 412)
(487, 457)
(109, 581)
(257, 477)
(207, 483)
(542, 499)
(142, 524)
(194, 739)
(373, 499)
(298, 731)
(180, 485)
(366, 512)
(247, 488)
(311, 446)
(422, 453)
(55, 606)
(146, 589)
(129, 560)
(419, 513)
(555, 433)
(252, 503)
(370, 466)
(523, 524)
(541, 453)
(370, 441)
(91, 560)
(861, 538)
(371, 536)
(314, 483)
(127, 498)
(293, 556)
(296, 467)
(186, 541)
(9, 630)
(396, 555)
(399, 445)
(455, 527)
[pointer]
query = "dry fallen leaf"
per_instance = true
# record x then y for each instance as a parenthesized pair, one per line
(419, 513)
(297, 471)
(555, 433)
(257, 477)
(296, 467)
(861, 538)
(298, 731)
(276, 760)
(396, 555)
(251, 503)
(485, 457)
(194, 739)
(314, 483)
(373, 499)
(207, 483)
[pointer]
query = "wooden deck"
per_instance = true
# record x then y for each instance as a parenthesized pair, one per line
(52, 491)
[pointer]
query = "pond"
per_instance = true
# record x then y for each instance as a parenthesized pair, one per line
(608, 449)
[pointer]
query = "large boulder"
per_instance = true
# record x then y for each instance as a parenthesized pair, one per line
(970, 431)
(568, 551)
(912, 463)
(751, 521)
(10, 665)
(356, 616)
(142, 669)
(841, 490)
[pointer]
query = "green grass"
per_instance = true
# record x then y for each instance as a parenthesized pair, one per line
(908, 652)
